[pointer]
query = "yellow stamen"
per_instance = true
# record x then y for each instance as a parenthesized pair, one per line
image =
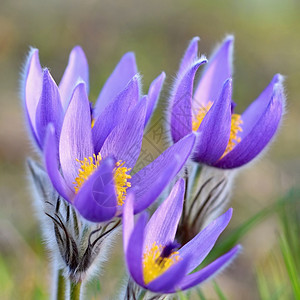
(200, 115)
(121, 182)
(236, 122)
(154, 265)
(92, 122)
(89, 165)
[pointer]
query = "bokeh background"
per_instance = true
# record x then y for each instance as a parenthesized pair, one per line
(267, 41)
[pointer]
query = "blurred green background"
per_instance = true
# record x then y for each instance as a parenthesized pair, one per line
(267, 41)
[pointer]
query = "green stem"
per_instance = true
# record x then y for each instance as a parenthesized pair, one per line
(61, 286)
(75, 290)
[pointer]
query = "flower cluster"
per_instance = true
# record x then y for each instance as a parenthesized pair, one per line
(89, 153)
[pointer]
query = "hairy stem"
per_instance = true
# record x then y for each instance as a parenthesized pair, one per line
(61, 286)
(75, 290)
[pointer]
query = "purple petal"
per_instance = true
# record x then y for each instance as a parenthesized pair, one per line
(153, 95)
(49, 109)
(117, 81)
(162, 226)
(134, 251)
(215, 128)
(203, 242)
(190, 55)
(260, 135)
(211, 270)
(76, 136)
(115, 112)
(170, 279)
(147, 184)
(33, 89)
(125, 141)
(181, 103)
(218, 69)
(128, 220)
(96, 199)
(76, 71)
(52, 165)
(254, 111)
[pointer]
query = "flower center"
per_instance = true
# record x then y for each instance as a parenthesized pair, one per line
(156, 261)
(198, 118)
(89, 165)
(236, 122)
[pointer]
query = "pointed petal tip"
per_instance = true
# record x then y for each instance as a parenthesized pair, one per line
(278, 78)
(227, 44)
(201, 60)
(195, 39)
(33, 51)
(129, 56)
(47, 75)
(78, 51)
(77, 48)
(79, 86)
(229, 212)
(162, 76)
(229, 38)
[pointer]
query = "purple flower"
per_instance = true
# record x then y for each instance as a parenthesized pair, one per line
(45, 102)
(155, 261)
(226, 140)
(95, 176)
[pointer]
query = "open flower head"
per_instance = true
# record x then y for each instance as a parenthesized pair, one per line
(226, 139)
(96, 177)
(155, 261)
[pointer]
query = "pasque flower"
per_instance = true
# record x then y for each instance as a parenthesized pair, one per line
(94, 178)
(155, 261)
(89, 152)
(226, 140)
(45, 102)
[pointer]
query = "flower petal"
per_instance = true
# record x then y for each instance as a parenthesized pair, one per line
(49, 109)
(211, 270)
(215, 128)
(162, 226)
(260, 135)
(203, 242)
(169, 280)
(254, 111)
(76, 137)
(146, 183)
(33, 89)
(153, 95)
(52, 165)
(76, 71)
(125, 140)
(181, 103)
(128, 220)
(190, 55)
(117, 81)
(96, 199)
(134, 251)
(115, 112)
(218, 69)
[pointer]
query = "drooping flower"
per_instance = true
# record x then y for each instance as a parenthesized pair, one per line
(226, 140)
(95, 176)
(155, 261)
(45, 102)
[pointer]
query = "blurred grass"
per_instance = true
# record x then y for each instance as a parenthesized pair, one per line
(267, 42)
